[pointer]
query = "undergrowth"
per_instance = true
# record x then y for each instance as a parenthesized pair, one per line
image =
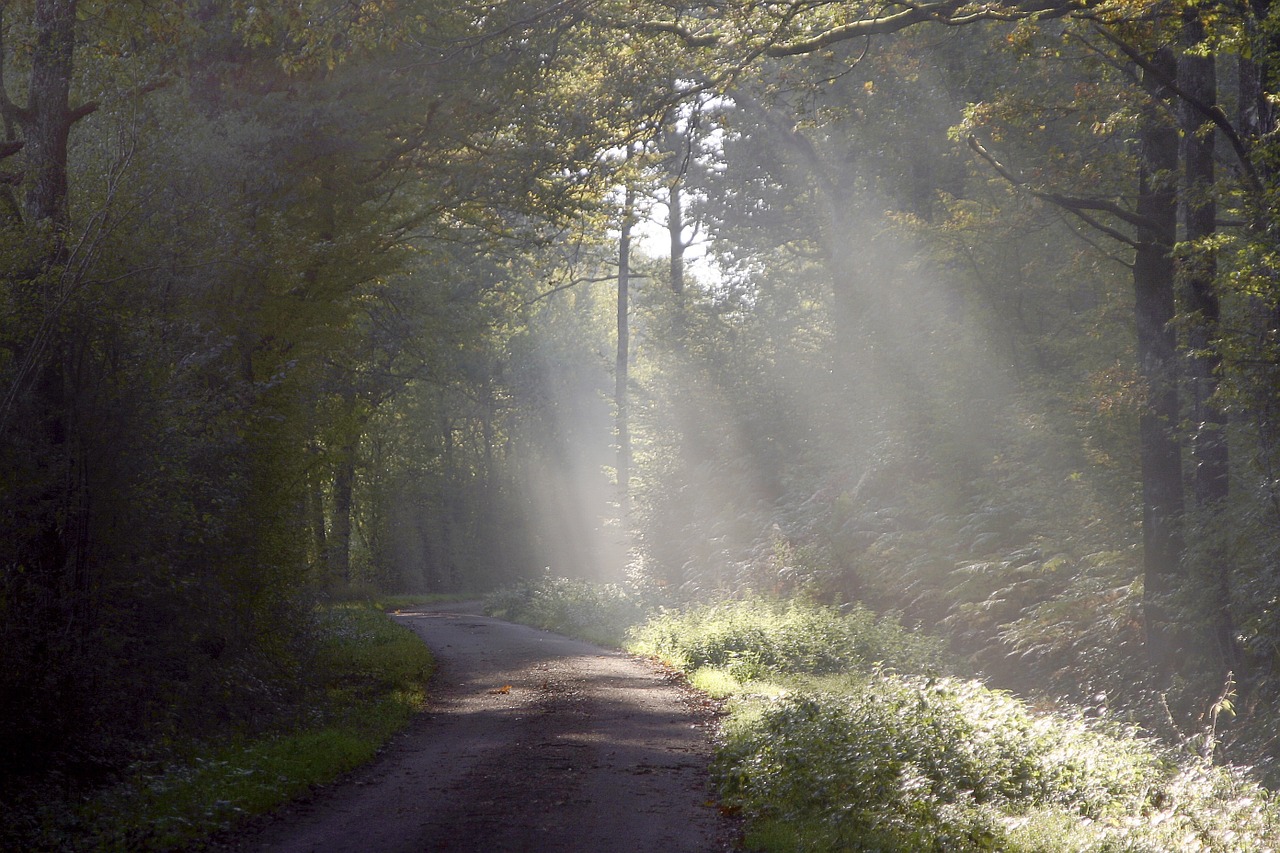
(754, 637)
(912, 764)
(597, 613)
(842, 736)
(848, 732)
(371, 676)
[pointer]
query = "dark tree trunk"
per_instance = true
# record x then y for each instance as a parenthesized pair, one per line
(339, 540)
(1197, 78)
(1257, 121)
(622, 365)
(1153, 285)
(675, 233)
(47, 118)
(315, 518)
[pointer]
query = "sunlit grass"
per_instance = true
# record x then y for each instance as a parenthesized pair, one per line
(598, 613)
(753, 637)
(845, 734)
(896, 763)
(375, 673)
(715, 682)
(908, 765)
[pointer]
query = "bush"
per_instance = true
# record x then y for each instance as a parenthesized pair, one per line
(598, 613)
(897, 763)
(370, 680)
(756, 637)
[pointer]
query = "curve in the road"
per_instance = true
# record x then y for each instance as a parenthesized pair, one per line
(532, 742)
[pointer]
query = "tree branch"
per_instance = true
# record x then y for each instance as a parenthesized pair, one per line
(686, 35)
(1078, 207)
(948, 12)
(82, 111)
(1212, 112)
(574, 282)
(867, 27)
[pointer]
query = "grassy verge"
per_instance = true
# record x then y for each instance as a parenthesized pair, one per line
(375, 673)
(404, 602)
(830, 746)
(598, 613)
(847, 734)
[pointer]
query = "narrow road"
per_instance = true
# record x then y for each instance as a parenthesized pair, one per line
(532, 742)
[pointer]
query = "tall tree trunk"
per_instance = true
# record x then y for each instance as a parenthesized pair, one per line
(344, 476)
(1161, 459)
(623, 361)
(315, 515)
(46, 124)
(47, 118)
(343, 499)
(675, 234)
(42, 409)
(1257, 121)
(1197, 78)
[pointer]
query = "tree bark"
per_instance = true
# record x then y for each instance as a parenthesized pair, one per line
(622, 364)
(47, 118)
(1210, 451)
(339, 540)
(1161, 458)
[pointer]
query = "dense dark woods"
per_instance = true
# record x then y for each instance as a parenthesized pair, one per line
(967, 312)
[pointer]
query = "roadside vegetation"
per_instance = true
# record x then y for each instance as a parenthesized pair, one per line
(976, 322)
(597, 613)
(367, 679)
(847, 731)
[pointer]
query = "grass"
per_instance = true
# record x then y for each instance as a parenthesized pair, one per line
(598, 613)
(375, 673)
(755, 637)
(403, 602)
(846, 733)
(843, 736)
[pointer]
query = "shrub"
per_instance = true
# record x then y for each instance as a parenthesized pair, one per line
(598, 613)
(914, 764)
(370, 680)
(756, 637)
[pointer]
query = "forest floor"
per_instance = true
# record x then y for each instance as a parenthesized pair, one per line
(531, 742)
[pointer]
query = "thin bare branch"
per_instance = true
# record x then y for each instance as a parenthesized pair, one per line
(1079, 207)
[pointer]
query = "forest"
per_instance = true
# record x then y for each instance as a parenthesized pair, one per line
(967, 313)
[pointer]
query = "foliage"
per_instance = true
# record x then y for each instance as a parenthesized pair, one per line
(756, 638)
(907, 763)
(598, 613)
(369, 680)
